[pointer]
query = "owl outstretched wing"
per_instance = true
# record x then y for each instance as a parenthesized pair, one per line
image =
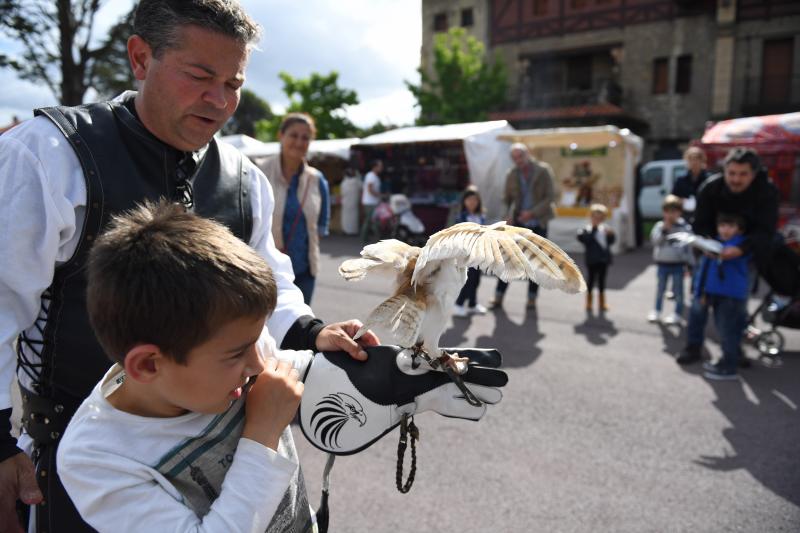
(506, 251)
(387, 257)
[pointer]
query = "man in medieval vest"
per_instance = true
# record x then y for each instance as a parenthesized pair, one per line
(64, 173)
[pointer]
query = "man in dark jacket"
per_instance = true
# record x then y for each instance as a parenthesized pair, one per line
(743, 190)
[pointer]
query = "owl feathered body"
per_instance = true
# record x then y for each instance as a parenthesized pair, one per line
(428, 279)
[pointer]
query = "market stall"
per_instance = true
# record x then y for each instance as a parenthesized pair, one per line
(776, 138)
(430, 164)
(591, 165)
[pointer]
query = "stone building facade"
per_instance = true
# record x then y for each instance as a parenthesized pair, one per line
(662, 68)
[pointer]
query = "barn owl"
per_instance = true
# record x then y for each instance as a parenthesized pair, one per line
(429, 279)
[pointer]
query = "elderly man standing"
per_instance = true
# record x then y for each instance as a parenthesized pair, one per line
(744, 191)
(528, 198)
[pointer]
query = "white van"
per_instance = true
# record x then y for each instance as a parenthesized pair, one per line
(656, 182)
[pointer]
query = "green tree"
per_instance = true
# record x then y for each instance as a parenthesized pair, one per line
(56, 38)
(464, 85)
(321, 97)
(378, 127)
(113, 73)
(252, 109)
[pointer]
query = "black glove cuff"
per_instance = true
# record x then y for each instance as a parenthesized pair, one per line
(303, 334)
(8, 444)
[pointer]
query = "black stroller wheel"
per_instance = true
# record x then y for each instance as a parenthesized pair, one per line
(770, 343)
(402, 234)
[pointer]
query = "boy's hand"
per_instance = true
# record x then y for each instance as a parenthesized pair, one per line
(730, 252)
(272, 402)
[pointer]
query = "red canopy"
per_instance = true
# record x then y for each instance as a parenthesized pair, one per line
(776, 138)
(769, 131)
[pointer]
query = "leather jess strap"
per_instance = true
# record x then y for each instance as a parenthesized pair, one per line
(46, 419)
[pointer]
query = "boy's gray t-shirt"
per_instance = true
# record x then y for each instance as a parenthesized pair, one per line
(197, 469)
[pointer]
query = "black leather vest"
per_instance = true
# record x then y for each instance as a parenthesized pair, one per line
(123, 164)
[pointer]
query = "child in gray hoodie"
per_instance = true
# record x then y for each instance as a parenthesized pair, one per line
(670, 257)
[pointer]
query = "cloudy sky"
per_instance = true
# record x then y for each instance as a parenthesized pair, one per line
(373, 44)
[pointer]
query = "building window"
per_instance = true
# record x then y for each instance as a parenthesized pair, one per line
(540, 7)
(579, 73)
(466, 18)
(660, 75)
(440, 22)
(683, 75)
(776, 71)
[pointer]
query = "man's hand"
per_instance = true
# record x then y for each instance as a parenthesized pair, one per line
(339, 336)
(730, 252)
(525, 215)
(17, 482)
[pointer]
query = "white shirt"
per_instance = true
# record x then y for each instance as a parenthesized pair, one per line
(43, 199)
(126, 472)
(367, 198)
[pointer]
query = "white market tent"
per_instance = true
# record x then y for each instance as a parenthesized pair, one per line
(621, 144)
(250, 146)
(447, 132)
(486, 156)
(253, 148)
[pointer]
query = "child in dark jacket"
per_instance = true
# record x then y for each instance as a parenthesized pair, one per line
(471, 211)
(597, 238)
(721, 285)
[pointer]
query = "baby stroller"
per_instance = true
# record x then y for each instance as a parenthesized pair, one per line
(395, 220)
(781, 306)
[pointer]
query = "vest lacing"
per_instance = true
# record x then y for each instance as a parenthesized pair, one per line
(184, 193)
(35, 371)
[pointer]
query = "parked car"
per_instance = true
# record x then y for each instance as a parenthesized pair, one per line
(657, 178)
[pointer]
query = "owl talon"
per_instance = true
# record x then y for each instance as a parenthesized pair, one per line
(458, 364)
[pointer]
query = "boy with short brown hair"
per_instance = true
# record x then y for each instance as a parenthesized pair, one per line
(165, 441)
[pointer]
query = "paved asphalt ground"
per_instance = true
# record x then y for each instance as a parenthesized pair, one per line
(599, 429)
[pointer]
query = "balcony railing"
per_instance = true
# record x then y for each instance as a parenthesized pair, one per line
(604, 92)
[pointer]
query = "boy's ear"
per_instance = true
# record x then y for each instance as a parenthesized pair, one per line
(142, 362)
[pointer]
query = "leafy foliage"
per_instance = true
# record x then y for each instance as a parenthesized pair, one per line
(56, 39)
(378, 127)
(252, 109)
(464, 85)
(113, 73)
(321, 97)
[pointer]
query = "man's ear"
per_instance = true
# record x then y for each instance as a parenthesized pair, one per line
(142, 362)
(139, 54)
